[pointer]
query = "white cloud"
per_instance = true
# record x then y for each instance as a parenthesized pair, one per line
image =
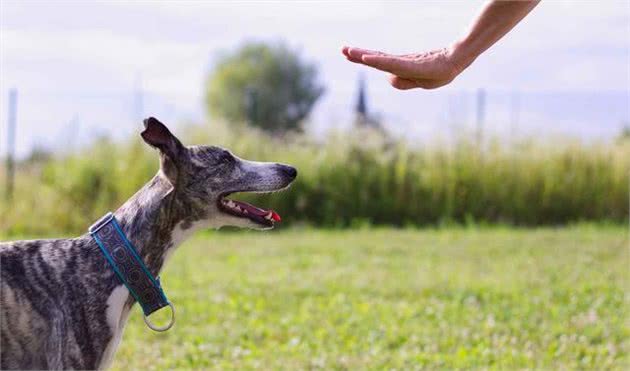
(78, 49)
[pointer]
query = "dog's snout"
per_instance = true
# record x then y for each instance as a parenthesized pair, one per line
(289, 171)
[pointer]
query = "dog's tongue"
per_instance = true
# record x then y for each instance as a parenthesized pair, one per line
(257, 211)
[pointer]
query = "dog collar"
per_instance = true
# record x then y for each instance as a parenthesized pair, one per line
(129, 267)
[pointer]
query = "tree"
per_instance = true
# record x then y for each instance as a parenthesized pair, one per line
(268, 86)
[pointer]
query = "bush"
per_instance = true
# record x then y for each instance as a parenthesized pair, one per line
(347, 182)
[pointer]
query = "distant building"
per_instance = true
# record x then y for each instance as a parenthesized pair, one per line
(361, 108)
(362, 116)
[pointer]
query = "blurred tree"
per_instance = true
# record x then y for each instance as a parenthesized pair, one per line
(269, 86)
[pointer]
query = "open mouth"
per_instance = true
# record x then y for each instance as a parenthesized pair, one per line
(241, 209)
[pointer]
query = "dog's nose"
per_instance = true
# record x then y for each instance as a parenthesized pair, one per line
(289, 171)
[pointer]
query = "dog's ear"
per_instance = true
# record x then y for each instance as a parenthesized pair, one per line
(157, 135)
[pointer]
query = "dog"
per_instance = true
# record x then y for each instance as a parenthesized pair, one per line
(62, 305)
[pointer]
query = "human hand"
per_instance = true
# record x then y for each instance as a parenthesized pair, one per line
(428, 70)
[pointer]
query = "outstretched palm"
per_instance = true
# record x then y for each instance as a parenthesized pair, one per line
(428, 70)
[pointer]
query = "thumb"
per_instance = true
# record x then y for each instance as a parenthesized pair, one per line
(401, 83)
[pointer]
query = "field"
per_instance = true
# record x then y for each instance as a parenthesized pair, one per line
(393, 299)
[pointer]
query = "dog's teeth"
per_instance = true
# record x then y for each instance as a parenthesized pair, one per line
(230, 203)
(244, 211)
(268, 216)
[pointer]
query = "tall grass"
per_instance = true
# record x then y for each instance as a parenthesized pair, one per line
(349, 180)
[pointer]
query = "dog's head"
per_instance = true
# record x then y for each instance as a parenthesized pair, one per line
(203, 177)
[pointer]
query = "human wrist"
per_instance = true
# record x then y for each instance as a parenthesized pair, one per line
(462, 54)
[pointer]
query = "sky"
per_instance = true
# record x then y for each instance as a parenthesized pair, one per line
(84, 69)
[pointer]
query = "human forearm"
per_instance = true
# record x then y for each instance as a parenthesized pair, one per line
(497, 18)
(438, 67)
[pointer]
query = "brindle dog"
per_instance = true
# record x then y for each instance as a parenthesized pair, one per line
(63, 307)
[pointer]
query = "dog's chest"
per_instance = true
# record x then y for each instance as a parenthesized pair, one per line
(117, 314)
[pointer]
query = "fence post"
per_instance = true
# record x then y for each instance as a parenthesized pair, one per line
(515, 110)
(11, 128)
(481, 108)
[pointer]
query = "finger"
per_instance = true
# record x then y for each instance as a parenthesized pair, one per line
(358, 52)
(354, 54)
(345, 52)
(398, 66)
(354, 60)
(402, 83)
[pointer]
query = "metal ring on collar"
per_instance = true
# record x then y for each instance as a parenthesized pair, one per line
(163, 328)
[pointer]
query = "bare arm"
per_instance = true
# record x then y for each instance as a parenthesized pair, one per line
(439, 67)
(496, 19)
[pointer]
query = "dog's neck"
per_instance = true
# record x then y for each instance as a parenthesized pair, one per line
(155, 220)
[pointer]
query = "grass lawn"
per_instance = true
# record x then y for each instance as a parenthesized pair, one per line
(393, 299)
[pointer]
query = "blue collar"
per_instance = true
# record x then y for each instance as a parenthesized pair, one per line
(129, 267)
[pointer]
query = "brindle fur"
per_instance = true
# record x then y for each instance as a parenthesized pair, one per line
(54, 293)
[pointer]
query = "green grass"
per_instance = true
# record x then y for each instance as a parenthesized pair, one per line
(393, 299)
